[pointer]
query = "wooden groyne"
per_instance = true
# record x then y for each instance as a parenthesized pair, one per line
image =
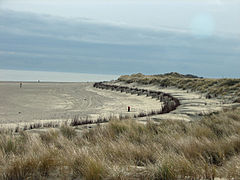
(170, 103)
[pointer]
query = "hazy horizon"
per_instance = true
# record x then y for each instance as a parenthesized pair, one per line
(45, 76)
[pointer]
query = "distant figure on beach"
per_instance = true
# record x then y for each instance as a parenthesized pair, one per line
(20, 84)
(38, 81)
(129, 108)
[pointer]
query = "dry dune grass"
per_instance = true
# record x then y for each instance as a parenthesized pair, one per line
(125, 149)
(203, 85)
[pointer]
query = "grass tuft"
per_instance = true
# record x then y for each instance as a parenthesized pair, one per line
(68, 131)
(126, 149)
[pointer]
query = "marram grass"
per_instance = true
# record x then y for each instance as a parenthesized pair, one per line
(126, 149)
(218, 87)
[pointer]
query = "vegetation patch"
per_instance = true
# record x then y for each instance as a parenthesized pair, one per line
(213, 87)
(125, 149)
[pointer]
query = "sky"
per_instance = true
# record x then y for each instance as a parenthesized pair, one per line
(116, 37)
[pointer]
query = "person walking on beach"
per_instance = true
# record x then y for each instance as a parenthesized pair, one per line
(20, 84)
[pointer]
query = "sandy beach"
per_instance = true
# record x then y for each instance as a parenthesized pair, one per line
(44, 102)
(63, 101)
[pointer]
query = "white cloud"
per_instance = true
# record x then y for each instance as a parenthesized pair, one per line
(151, 13)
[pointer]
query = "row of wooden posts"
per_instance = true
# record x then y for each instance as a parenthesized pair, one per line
(170, 103)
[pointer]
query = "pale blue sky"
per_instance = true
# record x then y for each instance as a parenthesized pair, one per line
(222, 16)
(121, 36)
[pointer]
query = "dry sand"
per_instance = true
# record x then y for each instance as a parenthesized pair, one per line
(42, 102)
(62, 101)
(192, 103)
